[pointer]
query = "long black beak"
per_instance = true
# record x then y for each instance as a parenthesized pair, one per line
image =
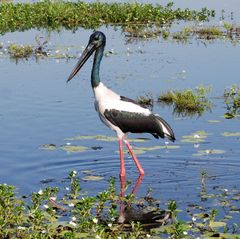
(84, 57)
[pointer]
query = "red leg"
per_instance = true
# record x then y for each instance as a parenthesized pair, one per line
(140, 169)
(138, 183)
(122, 166)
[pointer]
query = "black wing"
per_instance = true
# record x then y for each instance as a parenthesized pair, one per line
(123, 98)
(135, 122)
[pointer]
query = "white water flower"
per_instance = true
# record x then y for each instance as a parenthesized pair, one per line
(46, 206)
(185, 233)
(196, 146)
(74, 219)
(67, 188)
(208, 151)
(74, 173)
(40, 192)
(71, 205)
(194, 219)
(196, 136)
(73, 223)
(95, 220)
(98, 237)
(148, 236)
(21, 228)
(109, 224)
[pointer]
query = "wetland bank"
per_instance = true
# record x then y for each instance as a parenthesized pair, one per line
(50, 128)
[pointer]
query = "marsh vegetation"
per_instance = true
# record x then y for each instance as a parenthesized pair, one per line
(191, 188)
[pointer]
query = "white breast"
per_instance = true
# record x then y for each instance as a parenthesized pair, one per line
(106, 99)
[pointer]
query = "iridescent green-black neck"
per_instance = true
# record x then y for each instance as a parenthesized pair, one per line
(95, 78)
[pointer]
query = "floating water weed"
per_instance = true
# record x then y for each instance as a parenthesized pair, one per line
(232, 101)
(187, 102)
(182, 35)
(146, 100)
(70, 15)
(209, 33)
(20, 51)
(50, 214)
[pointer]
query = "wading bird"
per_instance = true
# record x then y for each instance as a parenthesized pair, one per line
(119, 113)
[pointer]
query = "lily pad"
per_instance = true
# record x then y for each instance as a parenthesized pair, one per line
(231, 134)
(217, 224)
(87, 171)
(48, 147)
(209, 152)
(214, 121)
(103, 138)
(93, 178)
(196, 137)
(142, 150)
(73, 148)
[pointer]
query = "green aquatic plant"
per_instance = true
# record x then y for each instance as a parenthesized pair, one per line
(146, 100)
(20, 51)
(232, 101)
(182, 35)
(141, 31)
(71, 15)
(69, 212)
(209, 33)
(187, 102)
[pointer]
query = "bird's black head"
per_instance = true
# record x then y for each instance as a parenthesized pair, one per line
(96, 40)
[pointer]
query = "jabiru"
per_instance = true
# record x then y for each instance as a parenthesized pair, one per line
(119, 113)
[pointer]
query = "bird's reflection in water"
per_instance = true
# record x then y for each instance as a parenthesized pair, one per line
(146, 210)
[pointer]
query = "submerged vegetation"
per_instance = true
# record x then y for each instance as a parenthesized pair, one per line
(187, 102)
(71, 213)
(232, 101)
(224, 31)
(71, 15)
(146, 100)
(37, 50)
(20, 51)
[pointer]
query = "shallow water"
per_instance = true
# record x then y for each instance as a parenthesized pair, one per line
(38, 107)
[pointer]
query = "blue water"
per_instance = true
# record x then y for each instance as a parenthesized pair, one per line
(38, 107)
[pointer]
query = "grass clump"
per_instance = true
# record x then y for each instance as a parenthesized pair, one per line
(71, 15)
(187, 102)
(232, 101)
(146, 100)
(20, 51)
(50, 213)
(73, 215)
(182, 35)
(209, 33)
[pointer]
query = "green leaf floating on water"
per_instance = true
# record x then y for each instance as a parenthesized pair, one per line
(93, 178)
(213, 224)
(48, 147)
(142, 150)
(231, 134)
(214, 121)
(73, 148)
(102, 138)
(209, 152)
(196, 137)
